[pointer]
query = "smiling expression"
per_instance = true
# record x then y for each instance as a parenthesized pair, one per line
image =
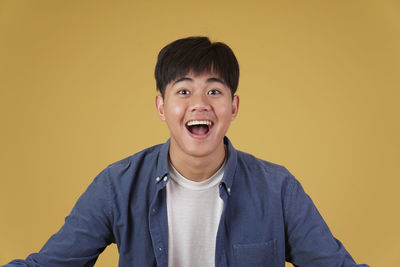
(198, 110)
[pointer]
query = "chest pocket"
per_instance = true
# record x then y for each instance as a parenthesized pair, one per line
(255, 254)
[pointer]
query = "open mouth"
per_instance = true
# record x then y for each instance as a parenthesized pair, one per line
(199, 127)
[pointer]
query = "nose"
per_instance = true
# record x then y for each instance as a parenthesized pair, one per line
(200, 103)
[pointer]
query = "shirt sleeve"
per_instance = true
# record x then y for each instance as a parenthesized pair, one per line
(309, 241)
(86, 232)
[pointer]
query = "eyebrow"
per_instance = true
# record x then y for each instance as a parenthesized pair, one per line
(209, 80)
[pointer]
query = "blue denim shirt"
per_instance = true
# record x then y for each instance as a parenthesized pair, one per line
(267, 218)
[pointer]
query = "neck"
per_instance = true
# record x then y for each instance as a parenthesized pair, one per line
(197, 168)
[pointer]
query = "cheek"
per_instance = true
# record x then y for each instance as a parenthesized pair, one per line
(225, 112)
(177, 111)
(174, 112)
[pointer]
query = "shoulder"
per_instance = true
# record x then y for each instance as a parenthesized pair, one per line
(253, 164)
(125, 172)
(147, 155)
(264, 173)
(252, 161)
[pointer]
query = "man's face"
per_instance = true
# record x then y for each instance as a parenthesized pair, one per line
(198, 111)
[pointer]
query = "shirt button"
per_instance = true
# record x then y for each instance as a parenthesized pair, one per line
(160, 249)
(229, 189)
(158, 179)
(165, 178)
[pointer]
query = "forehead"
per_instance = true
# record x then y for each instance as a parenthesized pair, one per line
(203, 76)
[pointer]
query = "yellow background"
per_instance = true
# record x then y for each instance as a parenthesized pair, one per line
(319, 94)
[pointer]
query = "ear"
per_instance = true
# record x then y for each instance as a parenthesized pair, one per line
(235, 106)
(160, 107)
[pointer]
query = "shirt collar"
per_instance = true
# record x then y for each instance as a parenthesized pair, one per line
(162, 164)
(230, 167)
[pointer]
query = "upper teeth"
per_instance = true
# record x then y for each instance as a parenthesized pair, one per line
(190, 123)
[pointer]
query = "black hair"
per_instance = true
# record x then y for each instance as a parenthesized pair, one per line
(198, 55)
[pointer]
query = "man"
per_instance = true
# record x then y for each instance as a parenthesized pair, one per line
(195, 200)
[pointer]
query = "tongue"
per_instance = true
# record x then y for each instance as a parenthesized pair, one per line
(199, 129)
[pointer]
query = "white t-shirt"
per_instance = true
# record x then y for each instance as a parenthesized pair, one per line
(194, 211)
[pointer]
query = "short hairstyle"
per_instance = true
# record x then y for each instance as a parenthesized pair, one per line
(198, 55)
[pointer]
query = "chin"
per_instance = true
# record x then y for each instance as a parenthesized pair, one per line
(195, 151)
(201, 149)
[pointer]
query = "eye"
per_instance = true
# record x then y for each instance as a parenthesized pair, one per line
(214, 92)
(183, 92)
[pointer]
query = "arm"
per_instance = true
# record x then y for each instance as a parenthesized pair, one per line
(309, 240)
(85, 234)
